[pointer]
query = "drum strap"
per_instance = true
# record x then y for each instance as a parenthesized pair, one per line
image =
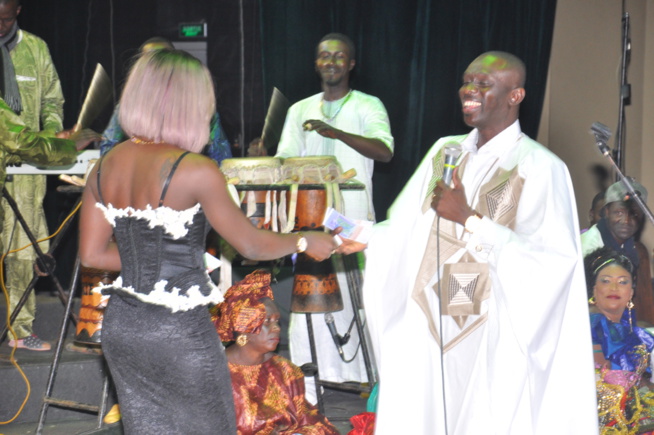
(283, 218)
(291, 209)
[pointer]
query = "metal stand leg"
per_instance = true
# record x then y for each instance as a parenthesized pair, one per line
(354, 281)
(48, 399)
(314, 362)
(354, 285)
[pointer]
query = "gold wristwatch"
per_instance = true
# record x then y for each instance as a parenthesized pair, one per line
(301, 244)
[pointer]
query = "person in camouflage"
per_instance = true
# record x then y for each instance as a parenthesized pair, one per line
(31, 89)
(17, 142)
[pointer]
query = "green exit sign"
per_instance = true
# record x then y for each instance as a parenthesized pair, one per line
(193, 30)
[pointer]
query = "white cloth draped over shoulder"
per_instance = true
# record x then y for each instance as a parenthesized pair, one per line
(526, 368)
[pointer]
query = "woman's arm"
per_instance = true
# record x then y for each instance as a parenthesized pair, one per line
(209, 186)
(96, 246)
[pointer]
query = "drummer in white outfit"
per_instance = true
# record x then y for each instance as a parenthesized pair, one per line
(353, 127)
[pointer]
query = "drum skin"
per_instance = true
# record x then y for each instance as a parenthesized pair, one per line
(311, 170)
(252, 170)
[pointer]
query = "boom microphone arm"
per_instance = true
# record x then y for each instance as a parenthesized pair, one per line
(602, 134)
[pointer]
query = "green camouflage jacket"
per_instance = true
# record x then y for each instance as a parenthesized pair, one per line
(18, 141)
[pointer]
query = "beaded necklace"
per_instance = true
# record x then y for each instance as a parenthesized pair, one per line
(322, 110)
(139, 140)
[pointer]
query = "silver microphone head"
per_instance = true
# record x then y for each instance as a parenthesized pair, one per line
(452, 152)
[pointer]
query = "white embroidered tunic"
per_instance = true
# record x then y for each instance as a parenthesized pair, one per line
(522, 362)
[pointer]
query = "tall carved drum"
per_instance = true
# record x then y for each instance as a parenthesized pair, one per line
(89, 325)
(315, 287)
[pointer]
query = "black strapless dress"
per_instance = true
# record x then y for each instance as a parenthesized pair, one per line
(163, 351)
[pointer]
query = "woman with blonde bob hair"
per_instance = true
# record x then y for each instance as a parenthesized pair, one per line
(178, 87)
(146, 210)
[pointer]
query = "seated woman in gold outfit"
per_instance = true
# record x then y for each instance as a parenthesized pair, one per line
(268, 389)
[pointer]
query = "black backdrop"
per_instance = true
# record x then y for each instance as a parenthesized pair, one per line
(410, 53)
(82, 33)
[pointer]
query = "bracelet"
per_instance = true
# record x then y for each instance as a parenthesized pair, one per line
(472, 223)
(598, 351)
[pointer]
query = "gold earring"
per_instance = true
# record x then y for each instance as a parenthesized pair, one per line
(591, 300)
(242, 340)
(630, 305)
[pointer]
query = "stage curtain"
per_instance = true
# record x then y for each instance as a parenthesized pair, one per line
(411, 54)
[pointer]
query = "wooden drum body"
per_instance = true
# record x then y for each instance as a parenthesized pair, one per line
(315, 286)
(89, 325)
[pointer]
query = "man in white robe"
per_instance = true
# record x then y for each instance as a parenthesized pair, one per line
(513, 319)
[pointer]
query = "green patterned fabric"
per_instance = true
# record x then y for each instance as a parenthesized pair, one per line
(17, 141)
(38, 148)
(42, 101)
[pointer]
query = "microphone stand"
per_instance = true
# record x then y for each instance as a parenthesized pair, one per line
(600, 141)
(625, 93)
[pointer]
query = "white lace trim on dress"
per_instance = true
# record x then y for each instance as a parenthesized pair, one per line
(170, 299)
(174, 222)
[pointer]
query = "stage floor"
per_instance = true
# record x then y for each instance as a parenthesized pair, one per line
(79, 378)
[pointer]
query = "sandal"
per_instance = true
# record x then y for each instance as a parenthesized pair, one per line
(113, 416)
(31, 342)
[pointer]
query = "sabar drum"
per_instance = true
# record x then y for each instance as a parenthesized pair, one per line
(315, 287)
(260, 205)
(89, 325)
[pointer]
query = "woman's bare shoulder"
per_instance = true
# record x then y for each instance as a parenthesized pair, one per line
(201, 167)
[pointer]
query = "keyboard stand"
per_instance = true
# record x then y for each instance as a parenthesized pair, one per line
(44, 265)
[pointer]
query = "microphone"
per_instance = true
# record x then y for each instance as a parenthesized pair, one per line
(329, 320)
(452, 153)
(602, 134)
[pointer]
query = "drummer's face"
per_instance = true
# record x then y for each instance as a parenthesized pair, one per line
(333, 62)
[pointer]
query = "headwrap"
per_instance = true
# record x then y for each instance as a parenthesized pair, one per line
(8, 84)
(242, 310)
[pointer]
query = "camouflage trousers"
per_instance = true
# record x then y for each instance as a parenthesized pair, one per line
(28, 191)
(16, 282)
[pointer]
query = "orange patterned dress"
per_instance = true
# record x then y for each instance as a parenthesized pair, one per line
(270, 396)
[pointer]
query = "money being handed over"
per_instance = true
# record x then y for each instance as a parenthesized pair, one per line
(353, 229)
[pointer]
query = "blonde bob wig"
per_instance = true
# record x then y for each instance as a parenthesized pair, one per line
(168, 97)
